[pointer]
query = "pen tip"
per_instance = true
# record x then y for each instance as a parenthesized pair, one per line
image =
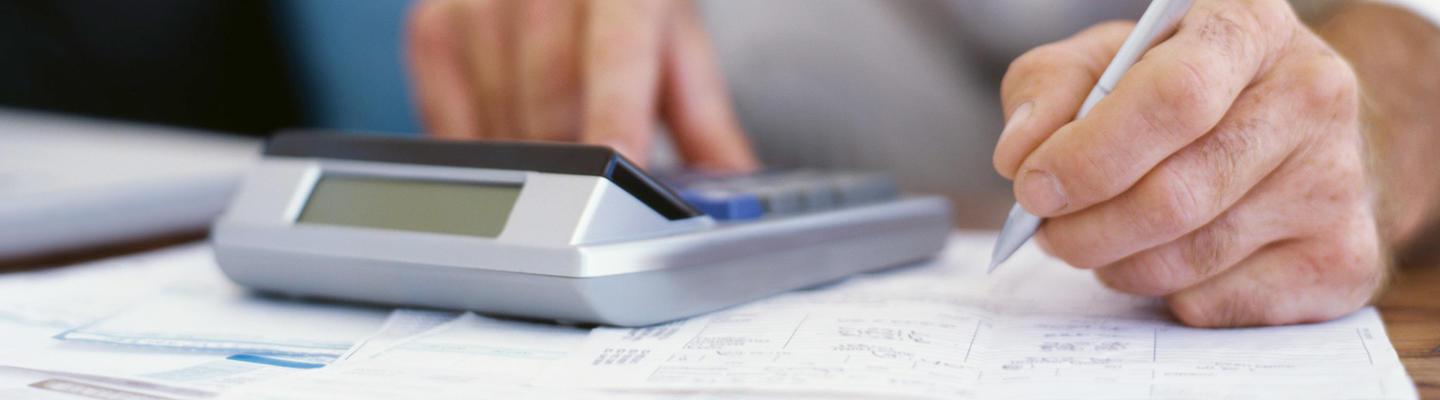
(994, 262)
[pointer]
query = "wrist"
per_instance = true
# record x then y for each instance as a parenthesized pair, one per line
(1392, 52)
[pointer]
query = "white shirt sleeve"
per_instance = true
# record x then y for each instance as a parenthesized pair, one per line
(1428, 9)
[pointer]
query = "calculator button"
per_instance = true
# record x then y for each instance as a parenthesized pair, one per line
(863, 188)
(725, 205)
(778, 200)
(778, 193)
(815, 191)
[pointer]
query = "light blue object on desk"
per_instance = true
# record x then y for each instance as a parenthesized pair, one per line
(348, 62)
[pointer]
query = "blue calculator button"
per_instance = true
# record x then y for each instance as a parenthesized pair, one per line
(725, 205)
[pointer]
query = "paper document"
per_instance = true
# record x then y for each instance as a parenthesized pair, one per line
(468, 357)
(1037, 329)
(72, 296)
(402, 326)
(166, 318)
(236, 322)
(168, 325)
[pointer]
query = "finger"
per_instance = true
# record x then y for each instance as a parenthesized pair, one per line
(1292, 282)
(621, 74)
(696, 103)
(1175, 94)
(1043, 89)
(548, 103)
(442, 86)
(1269, 122)
(1266, 215)
(488, 34)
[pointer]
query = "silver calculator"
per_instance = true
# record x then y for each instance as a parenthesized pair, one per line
(553, 231)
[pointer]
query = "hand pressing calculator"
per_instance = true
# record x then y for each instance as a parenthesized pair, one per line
(564, 232)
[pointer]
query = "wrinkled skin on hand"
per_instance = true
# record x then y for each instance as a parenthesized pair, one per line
(595, 71)
(1226, 172)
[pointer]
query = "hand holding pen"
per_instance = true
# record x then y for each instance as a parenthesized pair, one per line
(1225, 171)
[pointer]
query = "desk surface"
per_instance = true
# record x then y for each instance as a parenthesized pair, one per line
(1410, 308)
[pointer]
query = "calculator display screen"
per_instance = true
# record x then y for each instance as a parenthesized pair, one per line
(450, 207)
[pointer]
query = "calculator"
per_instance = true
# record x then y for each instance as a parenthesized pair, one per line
(553, 231)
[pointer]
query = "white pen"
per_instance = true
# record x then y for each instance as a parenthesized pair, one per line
(1159, 21)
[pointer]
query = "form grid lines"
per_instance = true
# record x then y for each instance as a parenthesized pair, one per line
(793, 332)
(973, 335)
(1364, 346)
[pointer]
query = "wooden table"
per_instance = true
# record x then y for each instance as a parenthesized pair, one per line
(1410, 308)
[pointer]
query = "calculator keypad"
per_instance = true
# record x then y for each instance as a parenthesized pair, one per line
(747, 197)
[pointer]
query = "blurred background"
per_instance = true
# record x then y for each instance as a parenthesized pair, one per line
(254, 67)
(907, 87)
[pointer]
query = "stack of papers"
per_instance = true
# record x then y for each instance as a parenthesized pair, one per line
(167, 325)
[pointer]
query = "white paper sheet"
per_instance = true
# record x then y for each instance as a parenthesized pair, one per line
(178, 299)
(469, 357)
(1035, 329)
(165, 318)
(402, 326)
(73, 296)
(236, 322)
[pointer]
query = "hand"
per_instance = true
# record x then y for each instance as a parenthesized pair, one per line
(599, 71)
(1225, 172)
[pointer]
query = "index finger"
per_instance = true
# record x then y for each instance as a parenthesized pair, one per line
(621, 74)
(1174, 95)
(442, 85)
(1043, 89)
(696, 104)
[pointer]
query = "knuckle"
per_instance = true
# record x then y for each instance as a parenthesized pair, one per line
(1231, 31)
(1170, 206)
(1191, 88)
(1183, 105)
(1227, 153)
(1223, 154)
(1275, 19)
(1339, 190)
(1203, 254)
(1344, 265)
(1228, 145)
(1339, 276)
(1329, 85)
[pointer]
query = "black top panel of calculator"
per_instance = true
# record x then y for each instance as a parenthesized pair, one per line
(557, 158)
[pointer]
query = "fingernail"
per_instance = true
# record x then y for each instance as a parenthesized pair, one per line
(1016, 118)
(1041, 192)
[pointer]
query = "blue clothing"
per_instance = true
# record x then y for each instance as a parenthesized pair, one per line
(347, 60)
